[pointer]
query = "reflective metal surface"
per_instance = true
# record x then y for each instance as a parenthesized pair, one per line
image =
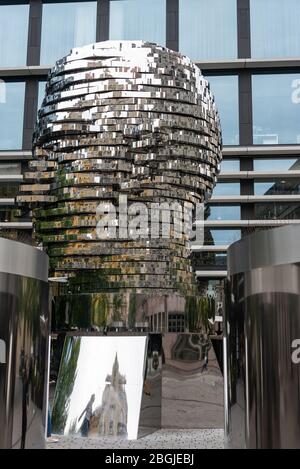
(24, 338)
(130, 119)
(124, 311)
(109, 386)
(266, 248)
(21, 259)
(192, 383)
(262, 364)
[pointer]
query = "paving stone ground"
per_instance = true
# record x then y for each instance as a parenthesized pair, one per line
(162, 439)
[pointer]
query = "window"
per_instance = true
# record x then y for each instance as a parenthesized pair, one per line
(8, 190)
(276, 109)
(210, 259)
(208, 29)
(11, 114)
(10, 168)
(215, 288)
(223, 212)
(275, 164)
(275, 28)
(41, 93)
(138, 20)
(227, 188)
(291, 186)
(8, 214)
(176, 323)
(225, 90)
(274, 211)
(221, 237)
(232, 166)
(13, 35)
(64, 26)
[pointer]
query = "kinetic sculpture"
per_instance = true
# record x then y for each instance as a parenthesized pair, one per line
(128, 137)
(122, 121)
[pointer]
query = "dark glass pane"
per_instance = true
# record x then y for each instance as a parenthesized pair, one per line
(278, 210)
(201, 260)
(8, 190)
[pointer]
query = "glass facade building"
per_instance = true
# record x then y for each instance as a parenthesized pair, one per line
(66, 25)
(249, 51)
(132, 19)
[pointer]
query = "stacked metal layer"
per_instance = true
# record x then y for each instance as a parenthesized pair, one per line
(121, 118)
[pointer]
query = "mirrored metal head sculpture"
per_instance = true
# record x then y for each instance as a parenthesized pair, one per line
(124, 125)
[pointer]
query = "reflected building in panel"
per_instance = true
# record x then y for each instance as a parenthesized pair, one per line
(114, 408)
(106, 386)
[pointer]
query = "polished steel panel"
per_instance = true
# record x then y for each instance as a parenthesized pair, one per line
(192, 383)
(24, 337)
(109, 386)
(265, 248)
(151, 405)
(262, 368)
(21, 259)
(122, 311)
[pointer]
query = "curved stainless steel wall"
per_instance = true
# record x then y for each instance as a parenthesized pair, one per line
(262, 344)
(24, 332)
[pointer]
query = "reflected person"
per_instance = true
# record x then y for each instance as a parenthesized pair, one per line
(87, 413)
(25, 372)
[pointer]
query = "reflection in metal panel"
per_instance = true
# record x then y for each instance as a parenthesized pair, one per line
(192, 383)
(24, 332)
(262, 329)
(107, 386)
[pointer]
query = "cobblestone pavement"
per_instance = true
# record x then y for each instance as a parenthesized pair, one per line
(162, 439)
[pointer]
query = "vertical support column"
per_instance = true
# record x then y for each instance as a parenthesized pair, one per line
(246, 138)
(172, 26)
(102, 31)
(33, 58)
(30, 111)
(243, 29)
(245, 108)
(34, 32)
(245, 101)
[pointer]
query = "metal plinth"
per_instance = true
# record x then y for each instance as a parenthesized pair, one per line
(24, 338)
(262, 344)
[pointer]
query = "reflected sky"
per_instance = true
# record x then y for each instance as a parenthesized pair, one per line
(95, 362)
